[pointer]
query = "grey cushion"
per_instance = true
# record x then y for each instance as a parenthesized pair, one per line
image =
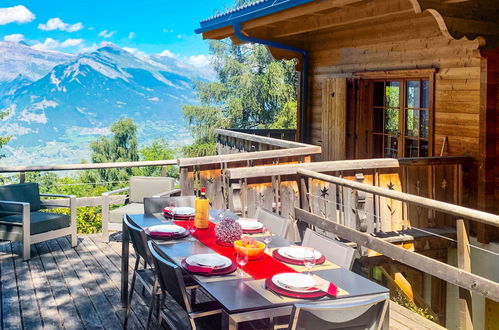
(116, 215)
(21, 192)
(147, 186)
(41, 222)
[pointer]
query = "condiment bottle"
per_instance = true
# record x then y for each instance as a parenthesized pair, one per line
(201, 219)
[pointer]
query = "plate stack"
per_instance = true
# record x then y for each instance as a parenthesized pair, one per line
(179, 213)
(295, 255)
(250, 226)
(166, 232)
(295, 285)
(209, 264)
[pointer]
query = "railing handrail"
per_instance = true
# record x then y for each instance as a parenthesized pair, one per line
(243, 156)
(261, 139)
(456, 210)
(86, 166)
(329, 166)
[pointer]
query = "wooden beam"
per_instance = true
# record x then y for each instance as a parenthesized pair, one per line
(291, 169)
(456, 210)
(450, 274)
(464, 263)
(261, 139)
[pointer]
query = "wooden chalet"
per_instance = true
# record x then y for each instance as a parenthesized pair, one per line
(414, 80)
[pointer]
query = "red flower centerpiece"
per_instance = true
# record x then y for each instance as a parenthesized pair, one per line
(228, 231)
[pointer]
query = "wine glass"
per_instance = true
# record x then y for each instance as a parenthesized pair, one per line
(191, 227)
(173, 209)
(242, 260)
(268, 237)
(309, 259)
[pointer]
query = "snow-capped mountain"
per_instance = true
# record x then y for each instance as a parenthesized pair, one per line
(77, 100)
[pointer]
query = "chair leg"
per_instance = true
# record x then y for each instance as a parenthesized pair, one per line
(154, 297)
(193, 296)
(26, 250)
(159, 319)
(132, 287)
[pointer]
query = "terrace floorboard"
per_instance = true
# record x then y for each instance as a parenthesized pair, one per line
(66, 288)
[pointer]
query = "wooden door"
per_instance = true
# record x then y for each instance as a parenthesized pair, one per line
(334, 104)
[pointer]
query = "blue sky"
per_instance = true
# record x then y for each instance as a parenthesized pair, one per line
(151, 26)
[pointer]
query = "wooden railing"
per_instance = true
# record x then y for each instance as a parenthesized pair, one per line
(279, 188)
(236, 150)
(460, 276)
(282, 134)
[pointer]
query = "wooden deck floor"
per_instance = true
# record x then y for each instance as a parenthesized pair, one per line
(66, 288)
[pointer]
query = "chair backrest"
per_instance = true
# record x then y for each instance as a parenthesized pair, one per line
(147, 186)
(139, 241)
(157, 204)
(337, 252)
(170, 277)
(274, 222)
(349, 313)
(20, 192)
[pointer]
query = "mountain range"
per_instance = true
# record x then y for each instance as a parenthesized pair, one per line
(58, 103)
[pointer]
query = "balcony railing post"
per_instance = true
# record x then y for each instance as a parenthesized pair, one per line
(464, 263)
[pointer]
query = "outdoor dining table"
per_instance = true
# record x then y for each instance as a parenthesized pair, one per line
(245, 298)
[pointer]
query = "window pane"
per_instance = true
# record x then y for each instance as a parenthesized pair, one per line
(424, 119)
(413, 94)
(412, 123)
(391, 121)
(425, 99)
(377, 145)
(392, 93)
(377, 120)
(423, 151)
(378, 93)
(391, 146)
(411, 148)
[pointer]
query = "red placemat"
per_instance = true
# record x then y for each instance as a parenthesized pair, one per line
(253, 231)
(282, 258)
(264, 267)
(165, 236)
(292, 294)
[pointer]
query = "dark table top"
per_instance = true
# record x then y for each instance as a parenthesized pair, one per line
(233, 292)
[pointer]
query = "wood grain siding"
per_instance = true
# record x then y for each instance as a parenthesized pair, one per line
(408, 41)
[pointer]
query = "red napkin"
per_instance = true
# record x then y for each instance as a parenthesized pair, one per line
(326, 286)
(293, 294)
(160, 234)
(253, 231)
(208, 270)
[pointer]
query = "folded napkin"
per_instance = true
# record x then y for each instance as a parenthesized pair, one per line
(208, 270)
(326, 286)
(253, 231)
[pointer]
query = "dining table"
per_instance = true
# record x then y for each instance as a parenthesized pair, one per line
(243, 295)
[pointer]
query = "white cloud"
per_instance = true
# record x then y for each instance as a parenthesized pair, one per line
(131, 35)
(57, 24)
(16, 37)
(16, 14)
(167, 30)
(199, 60)
(51, 44)
(167, 53)
(89, 49)
(72, 42)
(106, 34)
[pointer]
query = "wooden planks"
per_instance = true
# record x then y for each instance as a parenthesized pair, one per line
(334, 107)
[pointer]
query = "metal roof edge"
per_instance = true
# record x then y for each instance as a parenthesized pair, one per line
(248, 12)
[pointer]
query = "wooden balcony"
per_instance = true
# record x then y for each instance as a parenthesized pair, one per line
(252, 170)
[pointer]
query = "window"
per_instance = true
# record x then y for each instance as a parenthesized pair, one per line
(400, 112)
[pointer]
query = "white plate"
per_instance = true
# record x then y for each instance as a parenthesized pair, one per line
(296, 253)
(184, 210)
(295, 282)
(209, 260)
(166, 229)
(250, 225)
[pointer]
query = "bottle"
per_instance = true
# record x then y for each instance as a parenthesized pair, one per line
(201, 219)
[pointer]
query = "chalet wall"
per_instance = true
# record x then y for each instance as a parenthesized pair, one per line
(407, 42)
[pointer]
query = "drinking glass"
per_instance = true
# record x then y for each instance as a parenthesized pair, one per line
(309, 259)
(267, 238)
(173, 209)
(242, 260)
(191, 227)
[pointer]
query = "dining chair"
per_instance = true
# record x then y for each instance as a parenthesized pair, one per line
(274, 222)
(171, 282)
(335, 251)
(157, 204)
(139, 187)
(365, 312)
(145, 276)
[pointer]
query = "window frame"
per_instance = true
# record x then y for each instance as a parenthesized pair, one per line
(369, 78)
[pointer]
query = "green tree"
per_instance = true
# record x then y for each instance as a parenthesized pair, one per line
(252, 90)
(3, 139)
(157, 150)
(122, 146)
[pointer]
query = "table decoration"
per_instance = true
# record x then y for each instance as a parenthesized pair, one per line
(254, 249)
(227, 231)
